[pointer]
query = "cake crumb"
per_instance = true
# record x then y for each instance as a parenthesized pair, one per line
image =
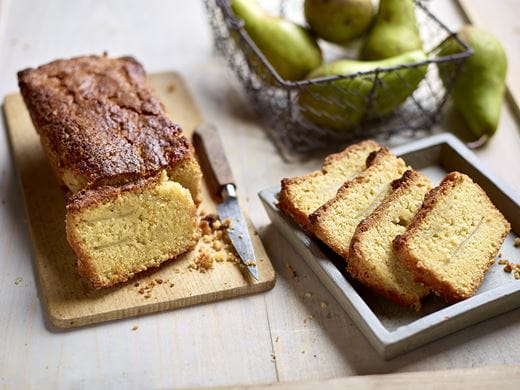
(203, 262)
(205, 228)
(172, 285)
(214, 246)
(159, 281)
(18, 280)
(220, 257)
(308, 319)
(135, 327)
(516, 243)
(308, 295)
(323, 305)
(273, 357)
(510, 267)
(291, 270)
(277, 338)
(226, 223)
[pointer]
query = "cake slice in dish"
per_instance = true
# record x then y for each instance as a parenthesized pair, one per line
(301, 196)
(453, 239)
(371, 259)
(334, 222)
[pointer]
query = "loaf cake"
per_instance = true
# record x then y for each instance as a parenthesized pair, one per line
(453, 239)
(371, 259)
(99, 124)
(135, 177)
(301, 196)
(335, 221)
(118, 231)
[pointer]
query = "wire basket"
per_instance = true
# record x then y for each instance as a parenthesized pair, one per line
(301, 129)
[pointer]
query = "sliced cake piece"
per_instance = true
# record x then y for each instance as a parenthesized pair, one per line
(300, 196)
(453, 239)
(119, 231)
(334, 222)
(371, 259)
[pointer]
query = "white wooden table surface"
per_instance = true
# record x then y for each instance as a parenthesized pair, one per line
(223, 343)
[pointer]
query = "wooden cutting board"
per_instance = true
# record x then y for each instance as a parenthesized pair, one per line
(69, 300)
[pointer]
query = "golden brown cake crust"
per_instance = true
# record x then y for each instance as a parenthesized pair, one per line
(285, 201)
(99, 120)
(424, 275)
(88, 198)
(338, 156)
(358, 267)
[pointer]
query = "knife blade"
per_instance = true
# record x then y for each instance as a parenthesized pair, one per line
(222, 185)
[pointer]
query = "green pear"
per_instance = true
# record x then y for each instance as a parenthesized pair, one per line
(478, 90)
(343, 103)
(395, 31)
(291, 49)
(339, 21)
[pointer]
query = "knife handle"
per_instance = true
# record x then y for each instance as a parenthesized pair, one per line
(212, 157)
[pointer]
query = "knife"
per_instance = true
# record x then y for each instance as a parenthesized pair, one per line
(222, 185)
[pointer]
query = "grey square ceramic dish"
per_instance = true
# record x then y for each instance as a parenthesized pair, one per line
(393, 330)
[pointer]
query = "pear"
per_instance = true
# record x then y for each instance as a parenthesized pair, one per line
(478, 90)
(339, 21)
(291, 49)
(395, 31)
(343, 103)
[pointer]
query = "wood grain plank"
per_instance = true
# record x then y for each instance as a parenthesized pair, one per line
(70, 301)
(502, 377)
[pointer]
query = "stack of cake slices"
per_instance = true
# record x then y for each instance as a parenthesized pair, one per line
(399, 237)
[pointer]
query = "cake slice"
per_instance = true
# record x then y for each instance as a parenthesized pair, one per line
(119, 231)
(335, 221)
(453, 239)
(371, 259)
(301, 196)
